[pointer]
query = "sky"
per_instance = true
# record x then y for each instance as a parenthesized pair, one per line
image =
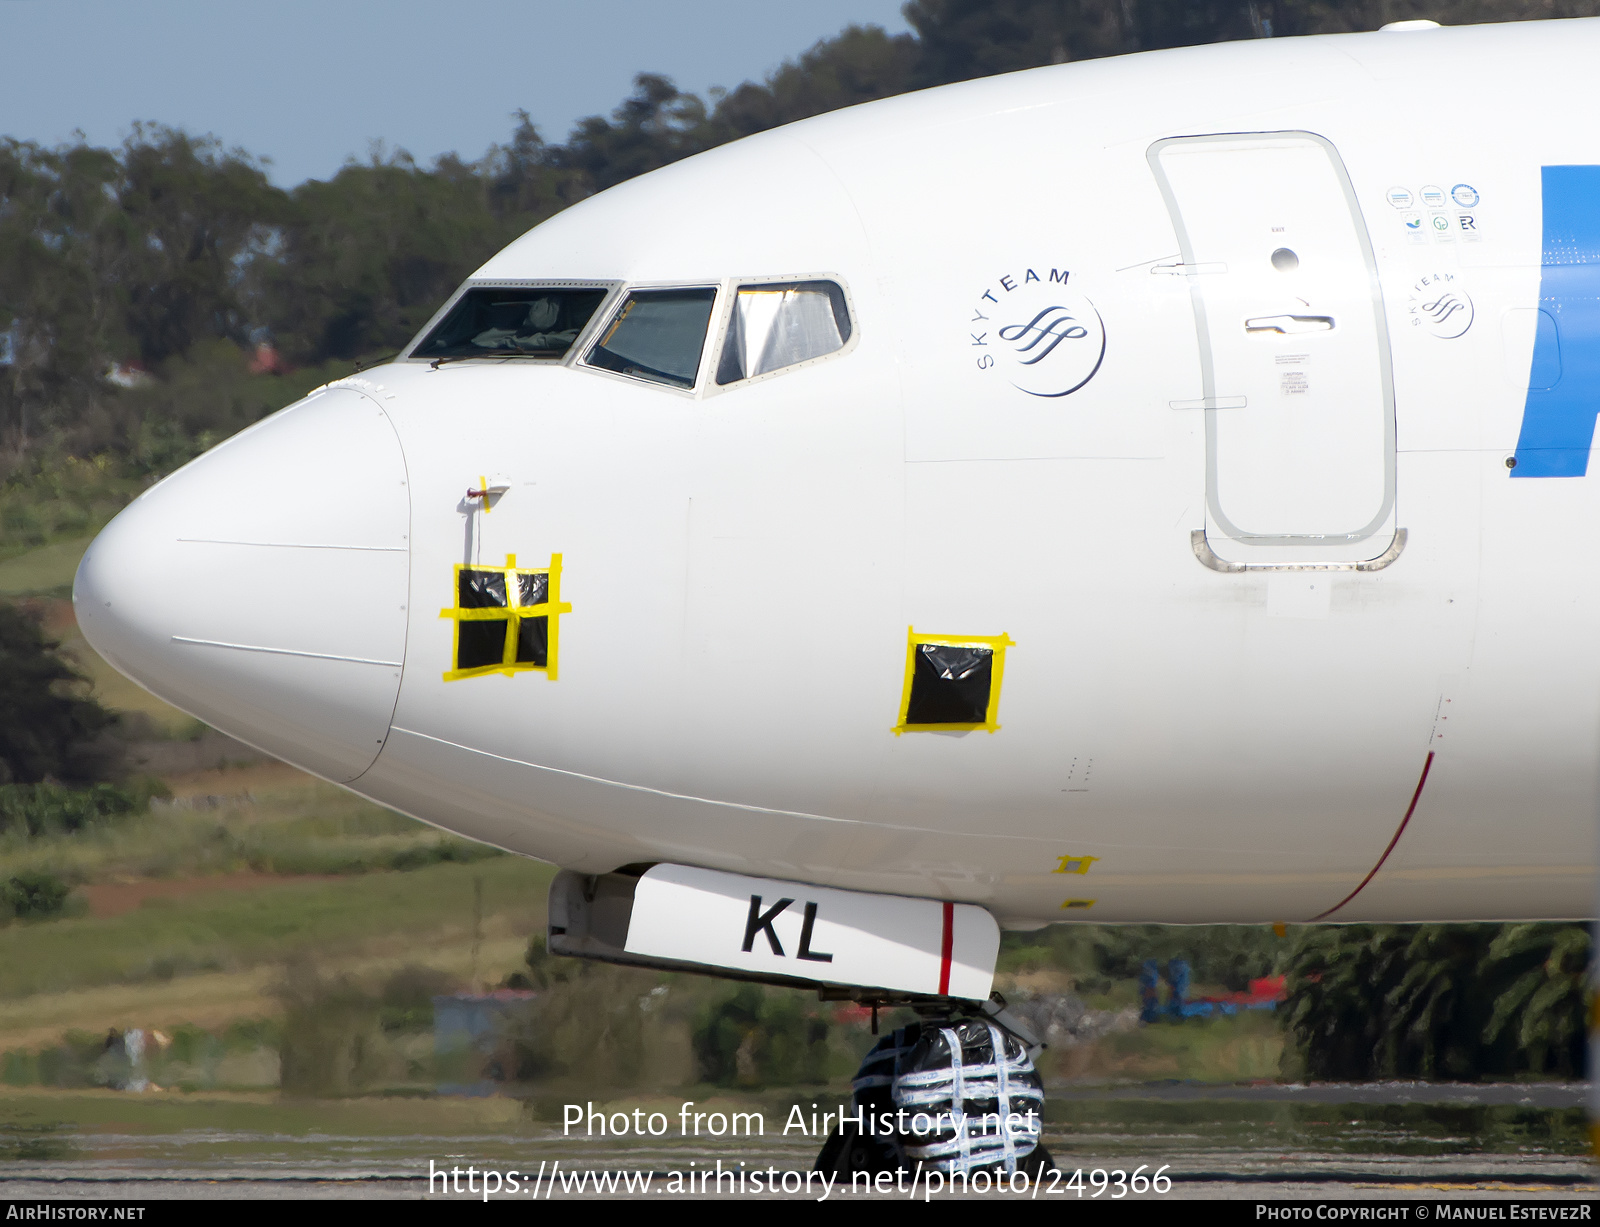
(311, 83)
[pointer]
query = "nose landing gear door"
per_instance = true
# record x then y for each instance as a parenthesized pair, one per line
(1294, 349)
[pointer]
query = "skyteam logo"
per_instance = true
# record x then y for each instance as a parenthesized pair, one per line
(1441, 306)
(1038, 333)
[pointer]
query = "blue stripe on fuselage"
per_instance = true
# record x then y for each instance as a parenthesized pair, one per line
(1558, 422)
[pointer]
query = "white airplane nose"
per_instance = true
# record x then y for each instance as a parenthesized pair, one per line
(262, 588)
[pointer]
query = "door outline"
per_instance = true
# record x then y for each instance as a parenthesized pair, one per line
(1203, 337)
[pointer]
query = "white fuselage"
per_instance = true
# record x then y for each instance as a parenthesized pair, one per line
(743, 562)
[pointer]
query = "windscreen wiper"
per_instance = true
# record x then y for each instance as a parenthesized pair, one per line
(548, 357)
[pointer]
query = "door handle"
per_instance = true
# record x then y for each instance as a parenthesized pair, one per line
(1289, 325)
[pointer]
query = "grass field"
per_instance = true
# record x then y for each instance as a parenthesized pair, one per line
(43, 569)
(267, 818)
(1248, 1047)
(187, 914)
(190, 916)
(388, 915)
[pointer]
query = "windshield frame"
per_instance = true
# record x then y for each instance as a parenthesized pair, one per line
(579, 345)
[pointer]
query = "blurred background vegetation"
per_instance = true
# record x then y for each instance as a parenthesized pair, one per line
(274, 931)
(174, 257)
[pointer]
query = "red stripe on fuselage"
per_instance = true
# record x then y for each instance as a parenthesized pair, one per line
(1410, 809)
(946, 945)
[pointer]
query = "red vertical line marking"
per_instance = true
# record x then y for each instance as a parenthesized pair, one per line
(1410, 809)
(946, 946)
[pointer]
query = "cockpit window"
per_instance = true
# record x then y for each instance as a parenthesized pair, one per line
(777, 325)
(494, 322)
(657, 335)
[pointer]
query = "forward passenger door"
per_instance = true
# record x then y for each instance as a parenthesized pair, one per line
(1298, 392)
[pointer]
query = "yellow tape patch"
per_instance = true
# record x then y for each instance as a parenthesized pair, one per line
(498, 594)
(1077, 903)
(1075, 864)
(997, 644)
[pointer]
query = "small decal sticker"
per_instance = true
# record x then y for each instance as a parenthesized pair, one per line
(1294, 377)
(1428, 215)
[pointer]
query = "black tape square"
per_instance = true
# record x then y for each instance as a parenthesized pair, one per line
(950, 685)
(481, 589)
(479, 644)
(533, 641)
(533, 589)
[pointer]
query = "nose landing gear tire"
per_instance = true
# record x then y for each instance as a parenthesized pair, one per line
(942, 1094)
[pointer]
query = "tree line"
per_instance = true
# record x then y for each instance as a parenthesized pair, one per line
(174, 253)
(1447, 1001)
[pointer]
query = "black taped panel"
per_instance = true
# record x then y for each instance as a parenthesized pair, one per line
(533, 589)
(481, 589)
(533, 641)
(950, 685)
(480, 643)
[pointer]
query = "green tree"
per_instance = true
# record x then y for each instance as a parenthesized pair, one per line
(590, 1019)
(33, 895)
(656, 125)
(31, 810)
(365, 258)
(752, 1036)
(1349, 16)
(961, 39)
(191, 216)
(857, 65)
(523, 185)
(46, 724)
(1540, 976)
(330, 1032)
(958, 40)
(1229, 956)
(59, 306)
(1458, 1001)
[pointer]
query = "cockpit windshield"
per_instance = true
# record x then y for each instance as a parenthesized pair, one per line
(518, 322)
(657, 336)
